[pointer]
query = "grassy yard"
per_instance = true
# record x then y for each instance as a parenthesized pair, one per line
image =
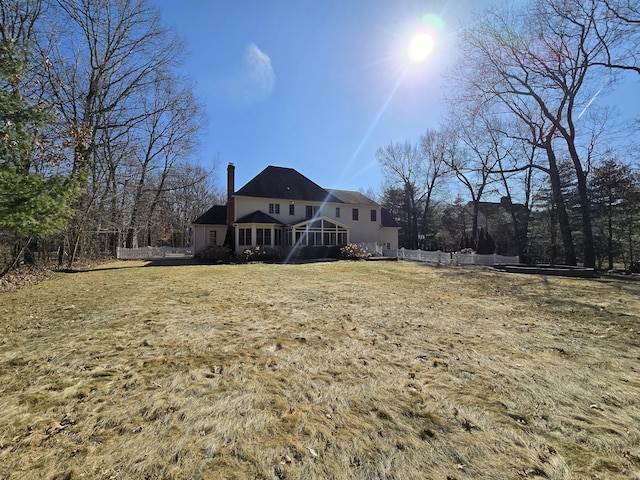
(345, 370)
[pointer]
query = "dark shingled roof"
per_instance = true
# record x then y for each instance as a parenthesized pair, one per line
(285, 183)
(216, 215)
(350, 196)
(259, 217)
(387, 219)
(490, 209)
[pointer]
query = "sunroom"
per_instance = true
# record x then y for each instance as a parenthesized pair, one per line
(320, 231)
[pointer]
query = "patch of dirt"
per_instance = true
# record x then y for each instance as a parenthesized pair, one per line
(28, 275)
(25, 276)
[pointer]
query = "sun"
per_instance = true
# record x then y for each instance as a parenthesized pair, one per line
(421, 46)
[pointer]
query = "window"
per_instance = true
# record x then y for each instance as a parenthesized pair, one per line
(263, 236)
(278, 238)
(274, 208)
(212, 237)
(277, 208)
(244, 236)
(337, 212)
(311, 211)
(292, 209)
(374, 215)
(354, 214)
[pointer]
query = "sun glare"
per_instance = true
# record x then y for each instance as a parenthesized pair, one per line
(421, 46)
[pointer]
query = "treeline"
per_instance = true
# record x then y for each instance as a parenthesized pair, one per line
(98, 131)
(540, 168)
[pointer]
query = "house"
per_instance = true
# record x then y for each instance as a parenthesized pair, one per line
(488, 211)
(497, 220)
(281, 208)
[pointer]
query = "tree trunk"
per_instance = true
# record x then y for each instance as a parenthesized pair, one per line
(610, 233)
(561, 211)
(474, 223)
(585, 208)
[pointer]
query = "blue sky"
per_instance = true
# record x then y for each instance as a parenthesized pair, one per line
(315, 85)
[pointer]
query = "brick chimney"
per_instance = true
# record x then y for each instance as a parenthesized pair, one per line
(231, 187)
(231, 211)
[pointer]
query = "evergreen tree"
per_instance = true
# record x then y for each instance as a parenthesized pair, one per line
(35, 194)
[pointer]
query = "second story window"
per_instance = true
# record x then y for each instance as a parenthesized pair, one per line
(274, 208)
(310, 211)
(337, 212)
(374, 215)
(354, 214)
(292, 209)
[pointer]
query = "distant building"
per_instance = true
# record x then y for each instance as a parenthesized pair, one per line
(496, 219)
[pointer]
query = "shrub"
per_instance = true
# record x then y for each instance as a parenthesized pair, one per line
(352, 251)
(215, 254)
(259, 254)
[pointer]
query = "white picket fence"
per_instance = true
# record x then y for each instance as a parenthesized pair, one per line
(150, 253)
(441, 258)
(373, 248)
(451, 258)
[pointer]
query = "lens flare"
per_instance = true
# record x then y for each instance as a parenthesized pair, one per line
(421, 46)
(433, 22)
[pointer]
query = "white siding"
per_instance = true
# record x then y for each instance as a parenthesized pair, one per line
(201, 235)
(361, 231)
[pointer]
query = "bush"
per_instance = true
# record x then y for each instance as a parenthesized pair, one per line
(352, 251)
(215, 254)
(259, 254)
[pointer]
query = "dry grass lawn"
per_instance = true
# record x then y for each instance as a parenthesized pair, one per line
(345, 370)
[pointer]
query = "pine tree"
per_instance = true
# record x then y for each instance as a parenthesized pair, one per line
(35, 193)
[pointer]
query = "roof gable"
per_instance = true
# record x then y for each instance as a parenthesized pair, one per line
(216, 215)
(285, 183)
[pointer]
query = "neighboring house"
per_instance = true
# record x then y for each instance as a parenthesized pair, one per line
(497, 219)
(280, 208)
(488, 211)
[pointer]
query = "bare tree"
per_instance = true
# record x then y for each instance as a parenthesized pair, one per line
(473, 160)
(402, 166)
(435, 147)
(539, 63)
(18, 20)
(164, 136)
(618, 27)
(106, 54)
